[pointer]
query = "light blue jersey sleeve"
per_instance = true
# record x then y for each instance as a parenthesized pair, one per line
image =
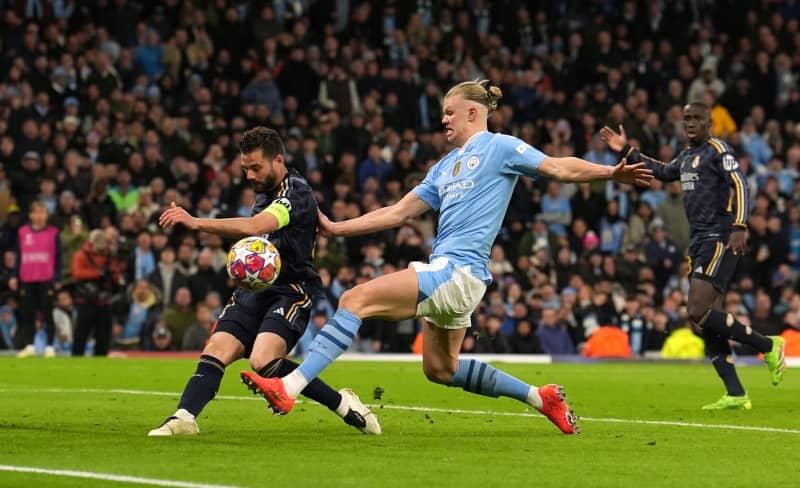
(427, 191)
(519, 157)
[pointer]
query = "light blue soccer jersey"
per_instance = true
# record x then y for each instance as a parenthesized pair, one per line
(471, 187)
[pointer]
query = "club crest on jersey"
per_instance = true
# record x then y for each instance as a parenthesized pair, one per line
(456, 168)
(696, 161)
(473, 162)
(729, 162)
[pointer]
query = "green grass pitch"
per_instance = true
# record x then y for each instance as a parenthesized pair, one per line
(93, 415)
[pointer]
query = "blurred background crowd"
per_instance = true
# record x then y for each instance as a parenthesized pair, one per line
(111, 109)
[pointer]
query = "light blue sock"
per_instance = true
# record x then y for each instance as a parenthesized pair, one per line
(334, 339)
(478, 377)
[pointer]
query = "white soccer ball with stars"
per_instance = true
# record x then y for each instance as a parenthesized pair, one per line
(254, 263)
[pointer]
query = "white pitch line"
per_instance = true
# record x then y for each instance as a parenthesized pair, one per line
(108, 477)
(412, 408)
(673, 423)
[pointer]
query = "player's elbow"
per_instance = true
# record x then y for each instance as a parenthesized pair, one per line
(551, 168)
(397, 216)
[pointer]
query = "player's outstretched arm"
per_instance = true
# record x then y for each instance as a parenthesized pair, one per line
(377, 220)
(264, 223)
(578, 170)
(664, 171)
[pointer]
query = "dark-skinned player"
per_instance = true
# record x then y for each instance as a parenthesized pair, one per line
(715, 197)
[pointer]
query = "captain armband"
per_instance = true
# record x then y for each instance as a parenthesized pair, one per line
(280, 209)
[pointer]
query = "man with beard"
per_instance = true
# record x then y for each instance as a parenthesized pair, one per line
(264, 326)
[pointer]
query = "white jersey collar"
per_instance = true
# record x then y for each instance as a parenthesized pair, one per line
(473, 136)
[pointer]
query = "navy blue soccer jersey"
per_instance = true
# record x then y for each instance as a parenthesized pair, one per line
(296, 240)
(715, 193)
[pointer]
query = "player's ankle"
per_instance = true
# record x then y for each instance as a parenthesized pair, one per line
(343, 408)
(184, 414)
(534, 399)
(294, 383)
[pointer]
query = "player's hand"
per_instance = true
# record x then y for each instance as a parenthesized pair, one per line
(615, 141)
(632, 174)
(324, 225)
(737, 242)
(177, 215)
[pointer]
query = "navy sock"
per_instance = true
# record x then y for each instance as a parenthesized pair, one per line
(478, 377)
(727, 326)
(203, 385)
(718, 349)
(727, 372)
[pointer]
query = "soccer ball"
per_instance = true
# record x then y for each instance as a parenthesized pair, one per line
(254, 263)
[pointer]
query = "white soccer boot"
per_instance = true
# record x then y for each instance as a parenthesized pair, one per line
(357, 414)
(49, 352)
(27, 352)
(182, 423)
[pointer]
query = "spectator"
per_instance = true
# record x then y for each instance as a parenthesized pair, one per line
(196, 336)
(338, 92)
(124, 196)
(754, 144)
(662, 254)
(588, 205)
(166, 278)
(722, 124)
(8, 326)
(492, 340)
(149, 56)
(206, 280)
(25, 181)
(673, 216)
(162, 338)
(638, 225)
(552, 335)
(179, 315)
(612, 229)
(64, 316)
(39, 276)
(262, 90)
(632, 322)
(96, 281)
(373, 166)
(135, 318)
(707, 81)
(556, 211)
(524, 341)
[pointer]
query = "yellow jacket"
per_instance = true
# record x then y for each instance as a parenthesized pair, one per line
(683, 344)
(722, 123)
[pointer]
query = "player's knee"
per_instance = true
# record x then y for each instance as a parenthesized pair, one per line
(351, 300)
(697, 312)
(217, 352)
(264, 366)
(438, 373)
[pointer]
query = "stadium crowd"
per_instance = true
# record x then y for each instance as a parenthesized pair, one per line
(110, 110)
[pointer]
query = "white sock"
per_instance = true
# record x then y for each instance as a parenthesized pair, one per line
(184, 414)
(294, 383)
(344, 407)
(534, 400)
